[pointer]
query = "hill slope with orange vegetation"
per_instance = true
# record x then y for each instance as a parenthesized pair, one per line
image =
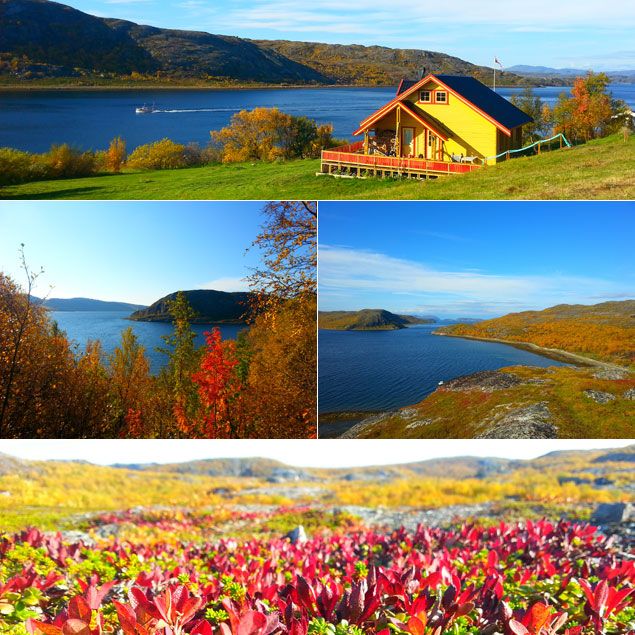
(604, 332)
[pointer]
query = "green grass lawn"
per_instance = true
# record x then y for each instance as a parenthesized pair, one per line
(602, 169)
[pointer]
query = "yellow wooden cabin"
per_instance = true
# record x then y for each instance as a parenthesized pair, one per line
(439, 124)
(446, 116)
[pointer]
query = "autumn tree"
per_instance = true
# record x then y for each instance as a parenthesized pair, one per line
(267, 134)
(116, 154)
(130, 384)
(219, 388)
(587, 113)
(46, 390)
(281, 392)
(19, 316)
(183, 360)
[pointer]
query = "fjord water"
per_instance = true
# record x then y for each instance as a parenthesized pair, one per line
(89, 119)
(106, 326)
(385, 370)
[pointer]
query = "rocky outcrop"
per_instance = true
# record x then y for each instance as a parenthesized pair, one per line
(409, 417)
(611, 373)
(599, 397)
(529, 422)
(630, 394)
(487, 381)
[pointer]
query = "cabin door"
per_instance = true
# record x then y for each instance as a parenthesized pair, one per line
(431, 146)
(408, 142)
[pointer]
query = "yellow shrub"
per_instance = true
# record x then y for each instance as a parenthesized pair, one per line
(160, 155)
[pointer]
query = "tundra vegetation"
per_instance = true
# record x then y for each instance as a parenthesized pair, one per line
(205, 561)
(262, 385)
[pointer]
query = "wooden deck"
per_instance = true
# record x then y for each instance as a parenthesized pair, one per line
(351, 161)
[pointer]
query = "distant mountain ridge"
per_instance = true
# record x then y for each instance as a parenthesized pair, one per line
(525, 69)
(448, 467)
(210, 307)
(39, 34)
(88, 304)
(367, 320)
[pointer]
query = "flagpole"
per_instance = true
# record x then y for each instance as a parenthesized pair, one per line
(494, 78)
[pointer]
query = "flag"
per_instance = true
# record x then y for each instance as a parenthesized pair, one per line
(496, 61)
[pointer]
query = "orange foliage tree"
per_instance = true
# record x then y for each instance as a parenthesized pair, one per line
(267, 134)
(587, 114)
(280, 396)
(116, 154)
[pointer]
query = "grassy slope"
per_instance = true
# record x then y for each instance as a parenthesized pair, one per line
(603, 169)
(462, 413)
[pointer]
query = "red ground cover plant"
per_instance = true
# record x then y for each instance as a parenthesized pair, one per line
(532, 578)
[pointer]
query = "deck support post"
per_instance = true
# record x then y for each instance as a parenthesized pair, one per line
(398, 133)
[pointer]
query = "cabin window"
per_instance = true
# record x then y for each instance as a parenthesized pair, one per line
(441, 97)
(426, 96)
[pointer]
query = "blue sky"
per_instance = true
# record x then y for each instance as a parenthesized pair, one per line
(333, 453)
(474, 259)
(130, 252)
(578, 33)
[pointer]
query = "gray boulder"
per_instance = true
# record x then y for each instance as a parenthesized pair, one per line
(599, 396)
(529, 422)
(610, 513)
(297, 535)
(630, 394)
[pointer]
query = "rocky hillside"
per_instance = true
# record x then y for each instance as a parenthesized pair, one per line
(52, 33)
(367, 320)
(380, 65)
(520, 402)
(195, 54)
(47, 39)
(210, 307)
(57, 35)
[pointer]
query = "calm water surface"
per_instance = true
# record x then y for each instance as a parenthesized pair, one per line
(385, 370)
(106, 326)
(33, 120)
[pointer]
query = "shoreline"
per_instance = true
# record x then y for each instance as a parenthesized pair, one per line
(105, 88)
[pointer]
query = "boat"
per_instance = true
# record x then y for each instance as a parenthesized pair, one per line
(145, 110)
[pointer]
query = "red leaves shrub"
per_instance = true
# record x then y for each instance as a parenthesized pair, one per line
(522, 579)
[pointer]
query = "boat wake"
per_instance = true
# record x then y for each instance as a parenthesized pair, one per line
(177, 110)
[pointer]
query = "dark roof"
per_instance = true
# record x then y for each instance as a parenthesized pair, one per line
(405, 84)
(487, 100)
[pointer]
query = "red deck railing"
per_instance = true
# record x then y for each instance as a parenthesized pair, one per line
(349, 156)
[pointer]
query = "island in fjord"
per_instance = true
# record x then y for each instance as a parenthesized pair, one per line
(368, 320)
(209, 306)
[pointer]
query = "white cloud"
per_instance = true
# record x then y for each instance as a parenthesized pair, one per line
(227, 284)
(366, 275)
(374, 17)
